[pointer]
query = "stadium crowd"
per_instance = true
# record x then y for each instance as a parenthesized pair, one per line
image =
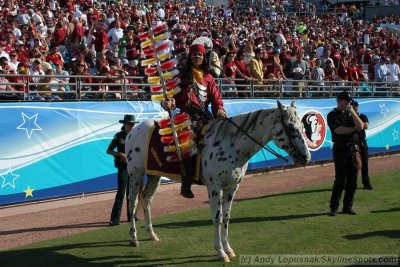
(52, 40)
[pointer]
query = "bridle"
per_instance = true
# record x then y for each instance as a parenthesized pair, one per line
(285, 129)
(266, 147)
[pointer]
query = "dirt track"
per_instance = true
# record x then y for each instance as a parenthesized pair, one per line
(32, 227)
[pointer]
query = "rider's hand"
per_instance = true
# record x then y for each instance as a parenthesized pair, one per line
(221, 114)
(168, 104)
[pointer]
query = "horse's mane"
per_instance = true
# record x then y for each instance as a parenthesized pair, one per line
(248, 122)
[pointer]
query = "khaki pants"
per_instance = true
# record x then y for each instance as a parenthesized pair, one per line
(301, 88)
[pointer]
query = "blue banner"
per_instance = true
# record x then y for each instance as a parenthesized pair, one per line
(55, 149)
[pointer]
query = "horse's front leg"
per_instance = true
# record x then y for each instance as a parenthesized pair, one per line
(228, 197)
(134, 187)
(153, 183)
(215, 196)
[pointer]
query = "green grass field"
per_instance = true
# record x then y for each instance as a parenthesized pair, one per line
(289, 223)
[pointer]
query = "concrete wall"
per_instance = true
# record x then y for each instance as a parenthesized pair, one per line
(392, 28)
(217, 3)
(371, 12)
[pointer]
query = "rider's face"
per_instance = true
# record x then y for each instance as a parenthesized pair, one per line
(197, 59)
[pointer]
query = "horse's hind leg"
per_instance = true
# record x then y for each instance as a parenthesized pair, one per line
(153, 182)
(228, 197)
(134, 188)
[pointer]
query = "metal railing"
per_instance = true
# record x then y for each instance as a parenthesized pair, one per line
(134, 88)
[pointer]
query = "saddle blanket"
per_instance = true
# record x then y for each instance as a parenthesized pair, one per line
(156, 163)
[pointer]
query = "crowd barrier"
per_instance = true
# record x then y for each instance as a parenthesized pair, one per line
(123, 88)
(58, 148)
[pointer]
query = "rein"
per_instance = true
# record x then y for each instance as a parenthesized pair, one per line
(266, 147)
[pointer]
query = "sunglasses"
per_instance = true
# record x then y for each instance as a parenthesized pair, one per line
(81, 65)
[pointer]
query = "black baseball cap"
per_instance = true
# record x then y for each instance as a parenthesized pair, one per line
(344, 95)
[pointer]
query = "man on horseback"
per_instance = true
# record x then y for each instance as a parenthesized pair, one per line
(198, 90)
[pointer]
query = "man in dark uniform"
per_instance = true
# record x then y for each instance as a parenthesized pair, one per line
(344, 125)
(120, 163)
(363, 147)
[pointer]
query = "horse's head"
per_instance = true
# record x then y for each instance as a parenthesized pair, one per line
(288, 134)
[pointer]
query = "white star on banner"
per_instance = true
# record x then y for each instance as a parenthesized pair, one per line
(29, 124)
(384, 110)
(9, 178)
(395, 134)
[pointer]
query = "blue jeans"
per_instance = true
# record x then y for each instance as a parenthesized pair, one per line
(123, 188)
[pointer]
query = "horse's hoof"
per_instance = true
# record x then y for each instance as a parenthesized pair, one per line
(224, 258)
(134, 243)
(154, 238)
(231, 254)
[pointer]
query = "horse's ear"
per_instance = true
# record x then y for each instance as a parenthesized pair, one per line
(293, 104)
(280, 106)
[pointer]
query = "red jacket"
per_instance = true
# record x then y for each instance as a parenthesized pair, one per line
(355, 74)
(186, 96)
(101, 39)
(343, 70)
(59, 36)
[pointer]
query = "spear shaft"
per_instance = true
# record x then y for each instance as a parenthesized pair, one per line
(164, 87)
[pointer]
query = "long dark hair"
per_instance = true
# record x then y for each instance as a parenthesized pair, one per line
(186, 72)
(204, 66)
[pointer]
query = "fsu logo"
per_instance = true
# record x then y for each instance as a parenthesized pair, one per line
(314, 129)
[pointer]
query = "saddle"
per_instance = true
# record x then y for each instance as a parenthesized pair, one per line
(156, 162)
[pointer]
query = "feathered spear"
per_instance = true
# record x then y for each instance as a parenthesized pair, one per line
(162, 73)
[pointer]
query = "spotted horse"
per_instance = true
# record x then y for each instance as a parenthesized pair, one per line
(224, 162)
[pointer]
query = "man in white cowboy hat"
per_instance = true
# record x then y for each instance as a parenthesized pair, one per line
(118, 142)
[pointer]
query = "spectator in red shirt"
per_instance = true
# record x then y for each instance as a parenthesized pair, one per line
(10, 42)
(330, 71)
(76, 36)
(355, 73)
(343, 68)
(229, 71)
(277, 68)
(104, 71)
(23, 55)
(132, 53)
(242, 72)
(93, 17)
(60, 34)
(100, 39)
(54, 56)
(22, 69)
(79, 68)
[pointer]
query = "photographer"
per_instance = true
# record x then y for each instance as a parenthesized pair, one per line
(344, 125)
